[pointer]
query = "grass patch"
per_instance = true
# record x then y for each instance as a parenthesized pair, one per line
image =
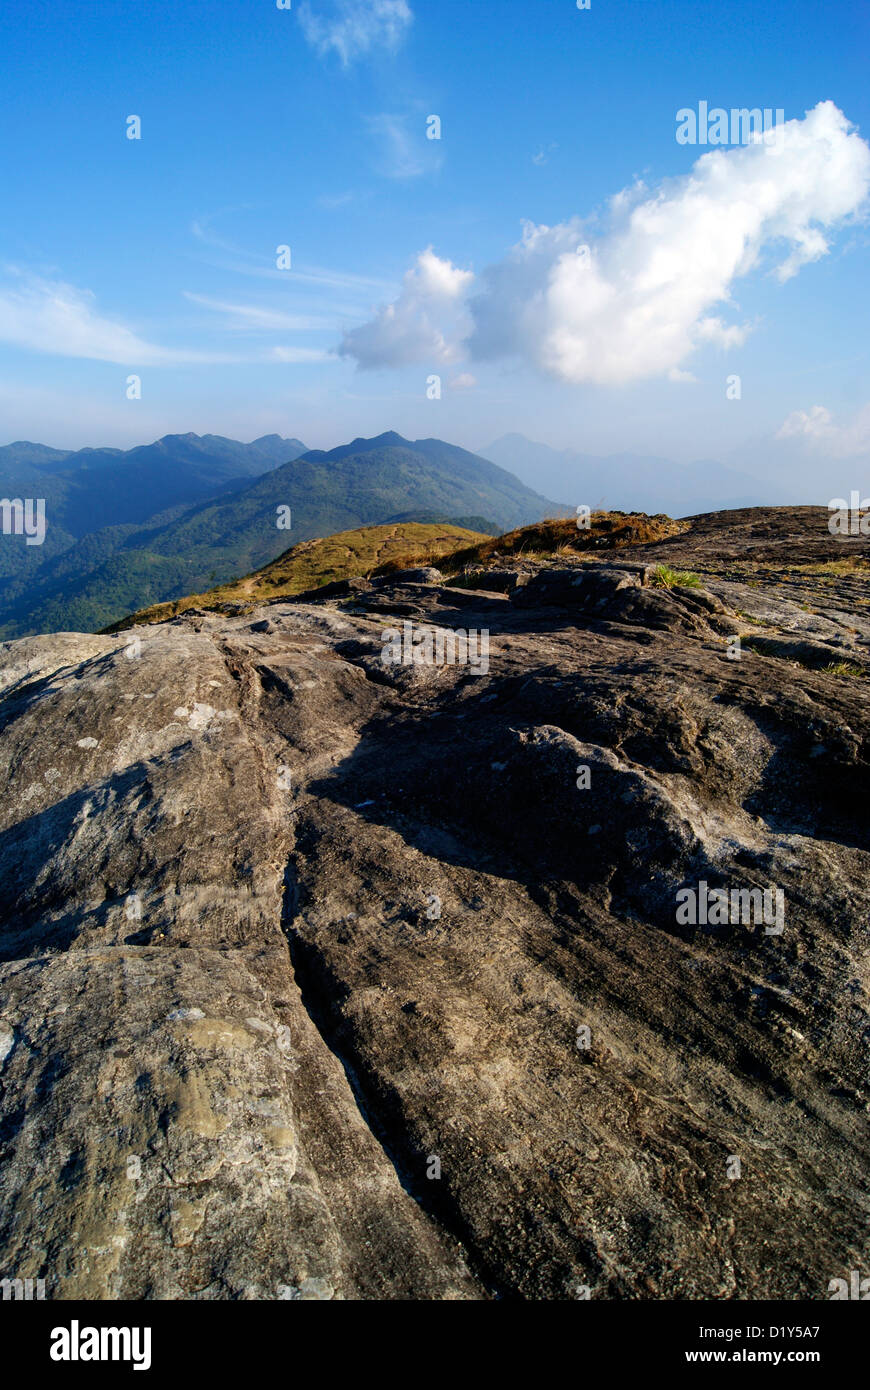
(749, 618)
(378, 551)
(315, 563)
(805, 661)
(843, 668)
(561, 537)
(666, 578)
(848, 565)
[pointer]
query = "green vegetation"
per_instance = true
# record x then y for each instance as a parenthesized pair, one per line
(751, 618)
(857, 565)
(806, 660)
(843, 668)
(667, 578)
(311, 564)
(88, 579)
(378, 551)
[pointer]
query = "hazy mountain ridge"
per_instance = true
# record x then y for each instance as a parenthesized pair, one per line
(88, 490)
(223, 457)
(630, 482)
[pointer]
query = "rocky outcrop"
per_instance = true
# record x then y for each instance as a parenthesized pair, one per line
(331, 977)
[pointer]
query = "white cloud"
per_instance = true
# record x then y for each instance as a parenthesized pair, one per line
(723, 335)
(640, 299)
(817, 430)
(296, 355)
(543, 155)
(812, 424)
(352, 28)
(52, 317)
(260, 266)
(423, 325)
(401, 155)
(254, 318)
(331, 201)
(463, 382)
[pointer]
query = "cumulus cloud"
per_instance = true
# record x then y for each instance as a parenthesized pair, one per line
(53, 317)
(817, 429)
(808, 424)
(638, 300)
(425, 324)
(352, 28)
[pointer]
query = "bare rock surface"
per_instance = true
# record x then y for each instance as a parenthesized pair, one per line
(329, 978)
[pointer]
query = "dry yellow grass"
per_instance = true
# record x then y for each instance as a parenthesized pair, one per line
(562, 537)
(345, 555)
(382, 550)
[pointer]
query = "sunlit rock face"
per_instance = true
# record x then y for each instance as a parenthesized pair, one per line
(328, 973)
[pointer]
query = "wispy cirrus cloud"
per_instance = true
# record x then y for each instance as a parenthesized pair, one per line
(402, 152)
(62, 320)
(255, 318)
(258, 265)
(54, 317)
(543, 155)
(299, 356)
(332, 201)
(354, 28)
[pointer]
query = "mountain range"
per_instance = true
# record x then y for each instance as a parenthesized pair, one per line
(126, 529)
(630, 482)
(95, 499)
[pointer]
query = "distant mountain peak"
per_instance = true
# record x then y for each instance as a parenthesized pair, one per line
(512, 437)
(389, 437)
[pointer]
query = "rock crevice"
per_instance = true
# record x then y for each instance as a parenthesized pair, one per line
(323, 978)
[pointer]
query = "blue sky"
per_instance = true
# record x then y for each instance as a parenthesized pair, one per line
(306, 127)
